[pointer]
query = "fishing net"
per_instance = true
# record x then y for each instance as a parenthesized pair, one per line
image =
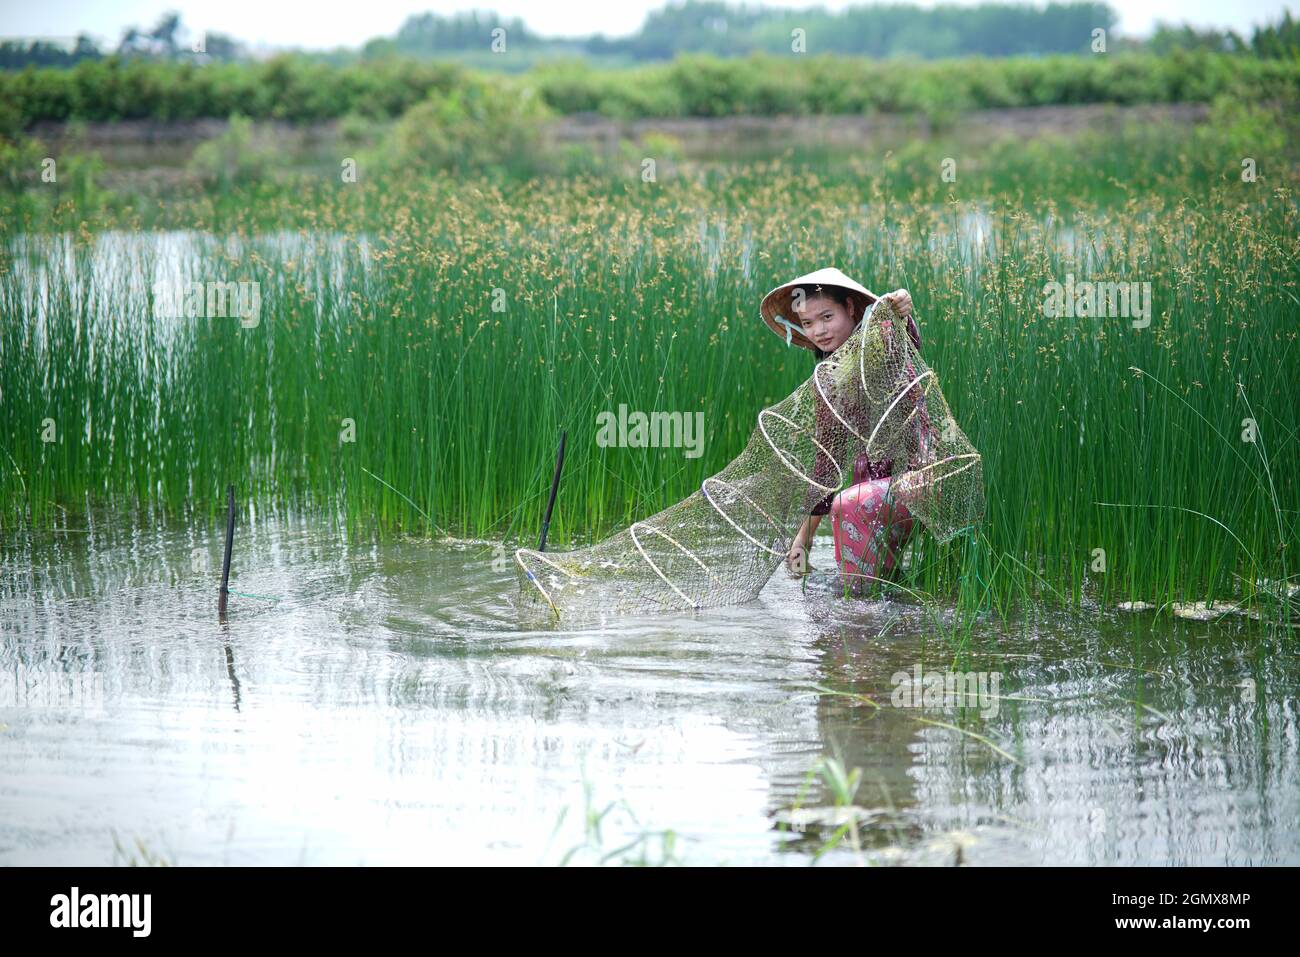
(721, 545)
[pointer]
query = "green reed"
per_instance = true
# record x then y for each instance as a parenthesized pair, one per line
(417, 375)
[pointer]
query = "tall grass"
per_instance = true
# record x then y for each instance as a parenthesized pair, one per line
(647, 294)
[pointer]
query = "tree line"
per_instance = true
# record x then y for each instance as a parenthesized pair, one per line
(709, 27)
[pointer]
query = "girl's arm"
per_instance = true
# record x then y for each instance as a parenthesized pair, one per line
(823, 467)
(797, 559)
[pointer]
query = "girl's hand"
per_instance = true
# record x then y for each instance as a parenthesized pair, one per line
(797, 560)
(901, 301)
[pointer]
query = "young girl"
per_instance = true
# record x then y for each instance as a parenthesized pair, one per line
(869, 524)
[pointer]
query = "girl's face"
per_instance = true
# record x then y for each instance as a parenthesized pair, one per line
(826, 322)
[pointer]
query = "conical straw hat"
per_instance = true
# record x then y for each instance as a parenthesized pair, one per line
(776, 307)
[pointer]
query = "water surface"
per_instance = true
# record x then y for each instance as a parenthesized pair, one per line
(386, 704)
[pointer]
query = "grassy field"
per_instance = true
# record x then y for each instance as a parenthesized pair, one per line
(422, 339)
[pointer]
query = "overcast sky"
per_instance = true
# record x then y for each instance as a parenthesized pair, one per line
(322, 25)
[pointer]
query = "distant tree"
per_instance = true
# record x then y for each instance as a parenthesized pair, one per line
(427, 33)
(86, 48)
(16, 54)
(731, 29)
(165, 32)
(1166, 38)
(219, 46)
(724, 29)
(378, 47)
(1280, 40)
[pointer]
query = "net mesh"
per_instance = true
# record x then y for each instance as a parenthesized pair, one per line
(874, 395)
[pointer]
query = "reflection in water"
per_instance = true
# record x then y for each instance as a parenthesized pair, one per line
(230, 672)
(385, 703)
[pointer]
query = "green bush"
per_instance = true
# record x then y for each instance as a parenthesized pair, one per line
(295, 89)
(20, 162)
(237, 157)
(485, 124)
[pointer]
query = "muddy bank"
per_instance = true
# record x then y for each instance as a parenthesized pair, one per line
(707, 135)
(146, 141)
(152, 158)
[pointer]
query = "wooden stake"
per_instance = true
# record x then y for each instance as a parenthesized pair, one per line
(225, 562)
(555, 485)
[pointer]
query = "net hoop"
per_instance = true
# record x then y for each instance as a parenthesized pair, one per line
(727, 485)
(902, 394)
(680, 547)
(780, 453)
